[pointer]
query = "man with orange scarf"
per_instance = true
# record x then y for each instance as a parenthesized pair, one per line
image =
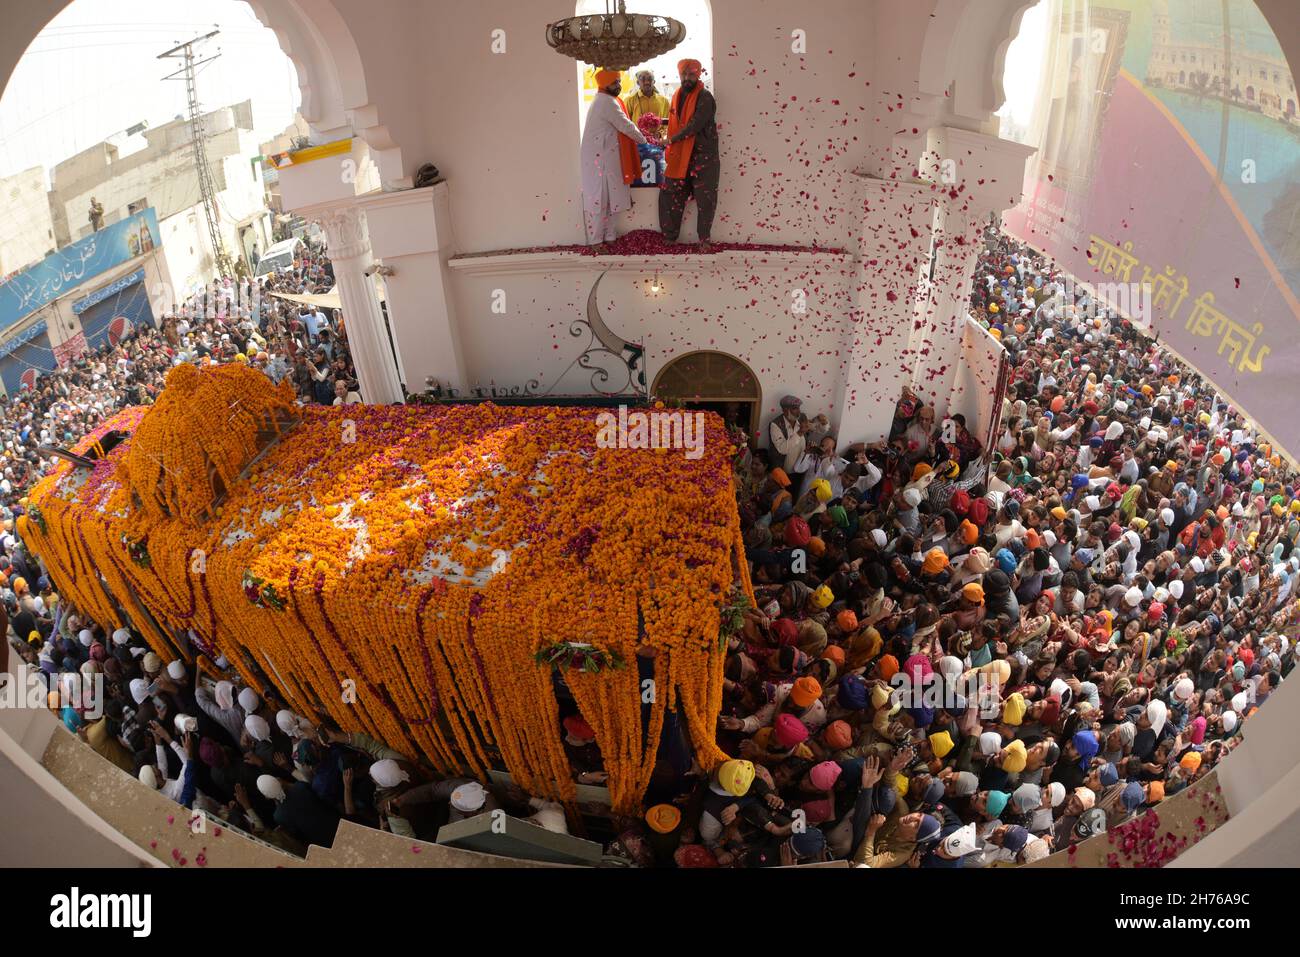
(693, 163)
(609, 160)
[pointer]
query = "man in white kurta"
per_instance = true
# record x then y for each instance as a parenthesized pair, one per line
(604, 192)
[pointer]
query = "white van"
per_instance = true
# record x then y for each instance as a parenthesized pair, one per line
(280, 257)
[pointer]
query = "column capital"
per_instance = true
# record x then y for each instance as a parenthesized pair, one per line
(345, 228)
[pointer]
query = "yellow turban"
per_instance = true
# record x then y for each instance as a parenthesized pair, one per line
(605, 77)
(1015, 757)
(900, 784)
(1060, 513)
(1013, 709)
(736, 777)
(941, 743)
(823, 490)
(823, 597)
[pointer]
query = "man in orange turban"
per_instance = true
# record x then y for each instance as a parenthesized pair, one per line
(693, 164)
(609, 160)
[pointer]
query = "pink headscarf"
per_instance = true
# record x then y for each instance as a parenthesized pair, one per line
(1197, 734)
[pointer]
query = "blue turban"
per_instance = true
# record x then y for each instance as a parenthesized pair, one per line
(1133, 795)
(1006, 561)
(1079, 481)
(1109, 775)
(921, 716)
(71, 720)
(1015, 838)
(929, 829)
(808, 842)
(997, 802)
(934, 793)
(852, 695)
(1085, 742)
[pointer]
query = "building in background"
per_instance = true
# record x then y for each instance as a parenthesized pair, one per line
(26, 229)
(81, 296)
(162, 177)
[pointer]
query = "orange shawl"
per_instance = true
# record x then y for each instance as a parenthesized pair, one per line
(679, 154)
(628, 156)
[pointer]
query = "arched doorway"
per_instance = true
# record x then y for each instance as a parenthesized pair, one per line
(715, 382)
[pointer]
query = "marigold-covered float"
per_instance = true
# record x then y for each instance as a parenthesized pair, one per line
(438, 559)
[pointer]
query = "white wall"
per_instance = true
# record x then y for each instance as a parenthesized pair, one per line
(720, 310)
(503, 128)
(26, 230)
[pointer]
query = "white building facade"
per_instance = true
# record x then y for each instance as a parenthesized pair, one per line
(162, 176)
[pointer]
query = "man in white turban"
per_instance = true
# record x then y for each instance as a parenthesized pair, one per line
(220, 707)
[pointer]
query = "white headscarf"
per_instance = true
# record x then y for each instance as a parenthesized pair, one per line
(270, 787)
(257, 728)
(288, 722)
(1156, 714)
(186, 724)
(387, 773)
(139, 690)
(248, 700)
(469, 797)
(225, 695)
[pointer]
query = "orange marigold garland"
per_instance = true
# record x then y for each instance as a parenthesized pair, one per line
(423, 556)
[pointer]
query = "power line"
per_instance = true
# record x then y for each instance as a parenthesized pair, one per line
(207, 187)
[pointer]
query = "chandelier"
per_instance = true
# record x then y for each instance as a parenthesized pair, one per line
(615, 41)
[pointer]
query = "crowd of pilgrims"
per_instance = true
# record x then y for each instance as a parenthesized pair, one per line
(957, 658)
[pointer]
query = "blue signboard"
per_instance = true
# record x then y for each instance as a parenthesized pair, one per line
(28, 290)
(24, 337)
(112, 289)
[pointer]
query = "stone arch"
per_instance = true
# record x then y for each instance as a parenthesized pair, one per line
(316, 39)
(709, 378)
(965, 52)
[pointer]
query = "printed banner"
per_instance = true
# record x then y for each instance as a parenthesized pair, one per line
(112, 289)
(1176, 189)
(41, 283)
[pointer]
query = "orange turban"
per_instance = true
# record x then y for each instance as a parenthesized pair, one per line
(805, 692)
(887, 667)
(684, 65)
(605, 77)
(970, 534)
(935, 561)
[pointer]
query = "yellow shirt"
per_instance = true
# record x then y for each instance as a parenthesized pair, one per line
(638, 105)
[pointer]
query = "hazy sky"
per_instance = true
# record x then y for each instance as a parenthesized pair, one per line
(1024, 65)
(94, 71)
